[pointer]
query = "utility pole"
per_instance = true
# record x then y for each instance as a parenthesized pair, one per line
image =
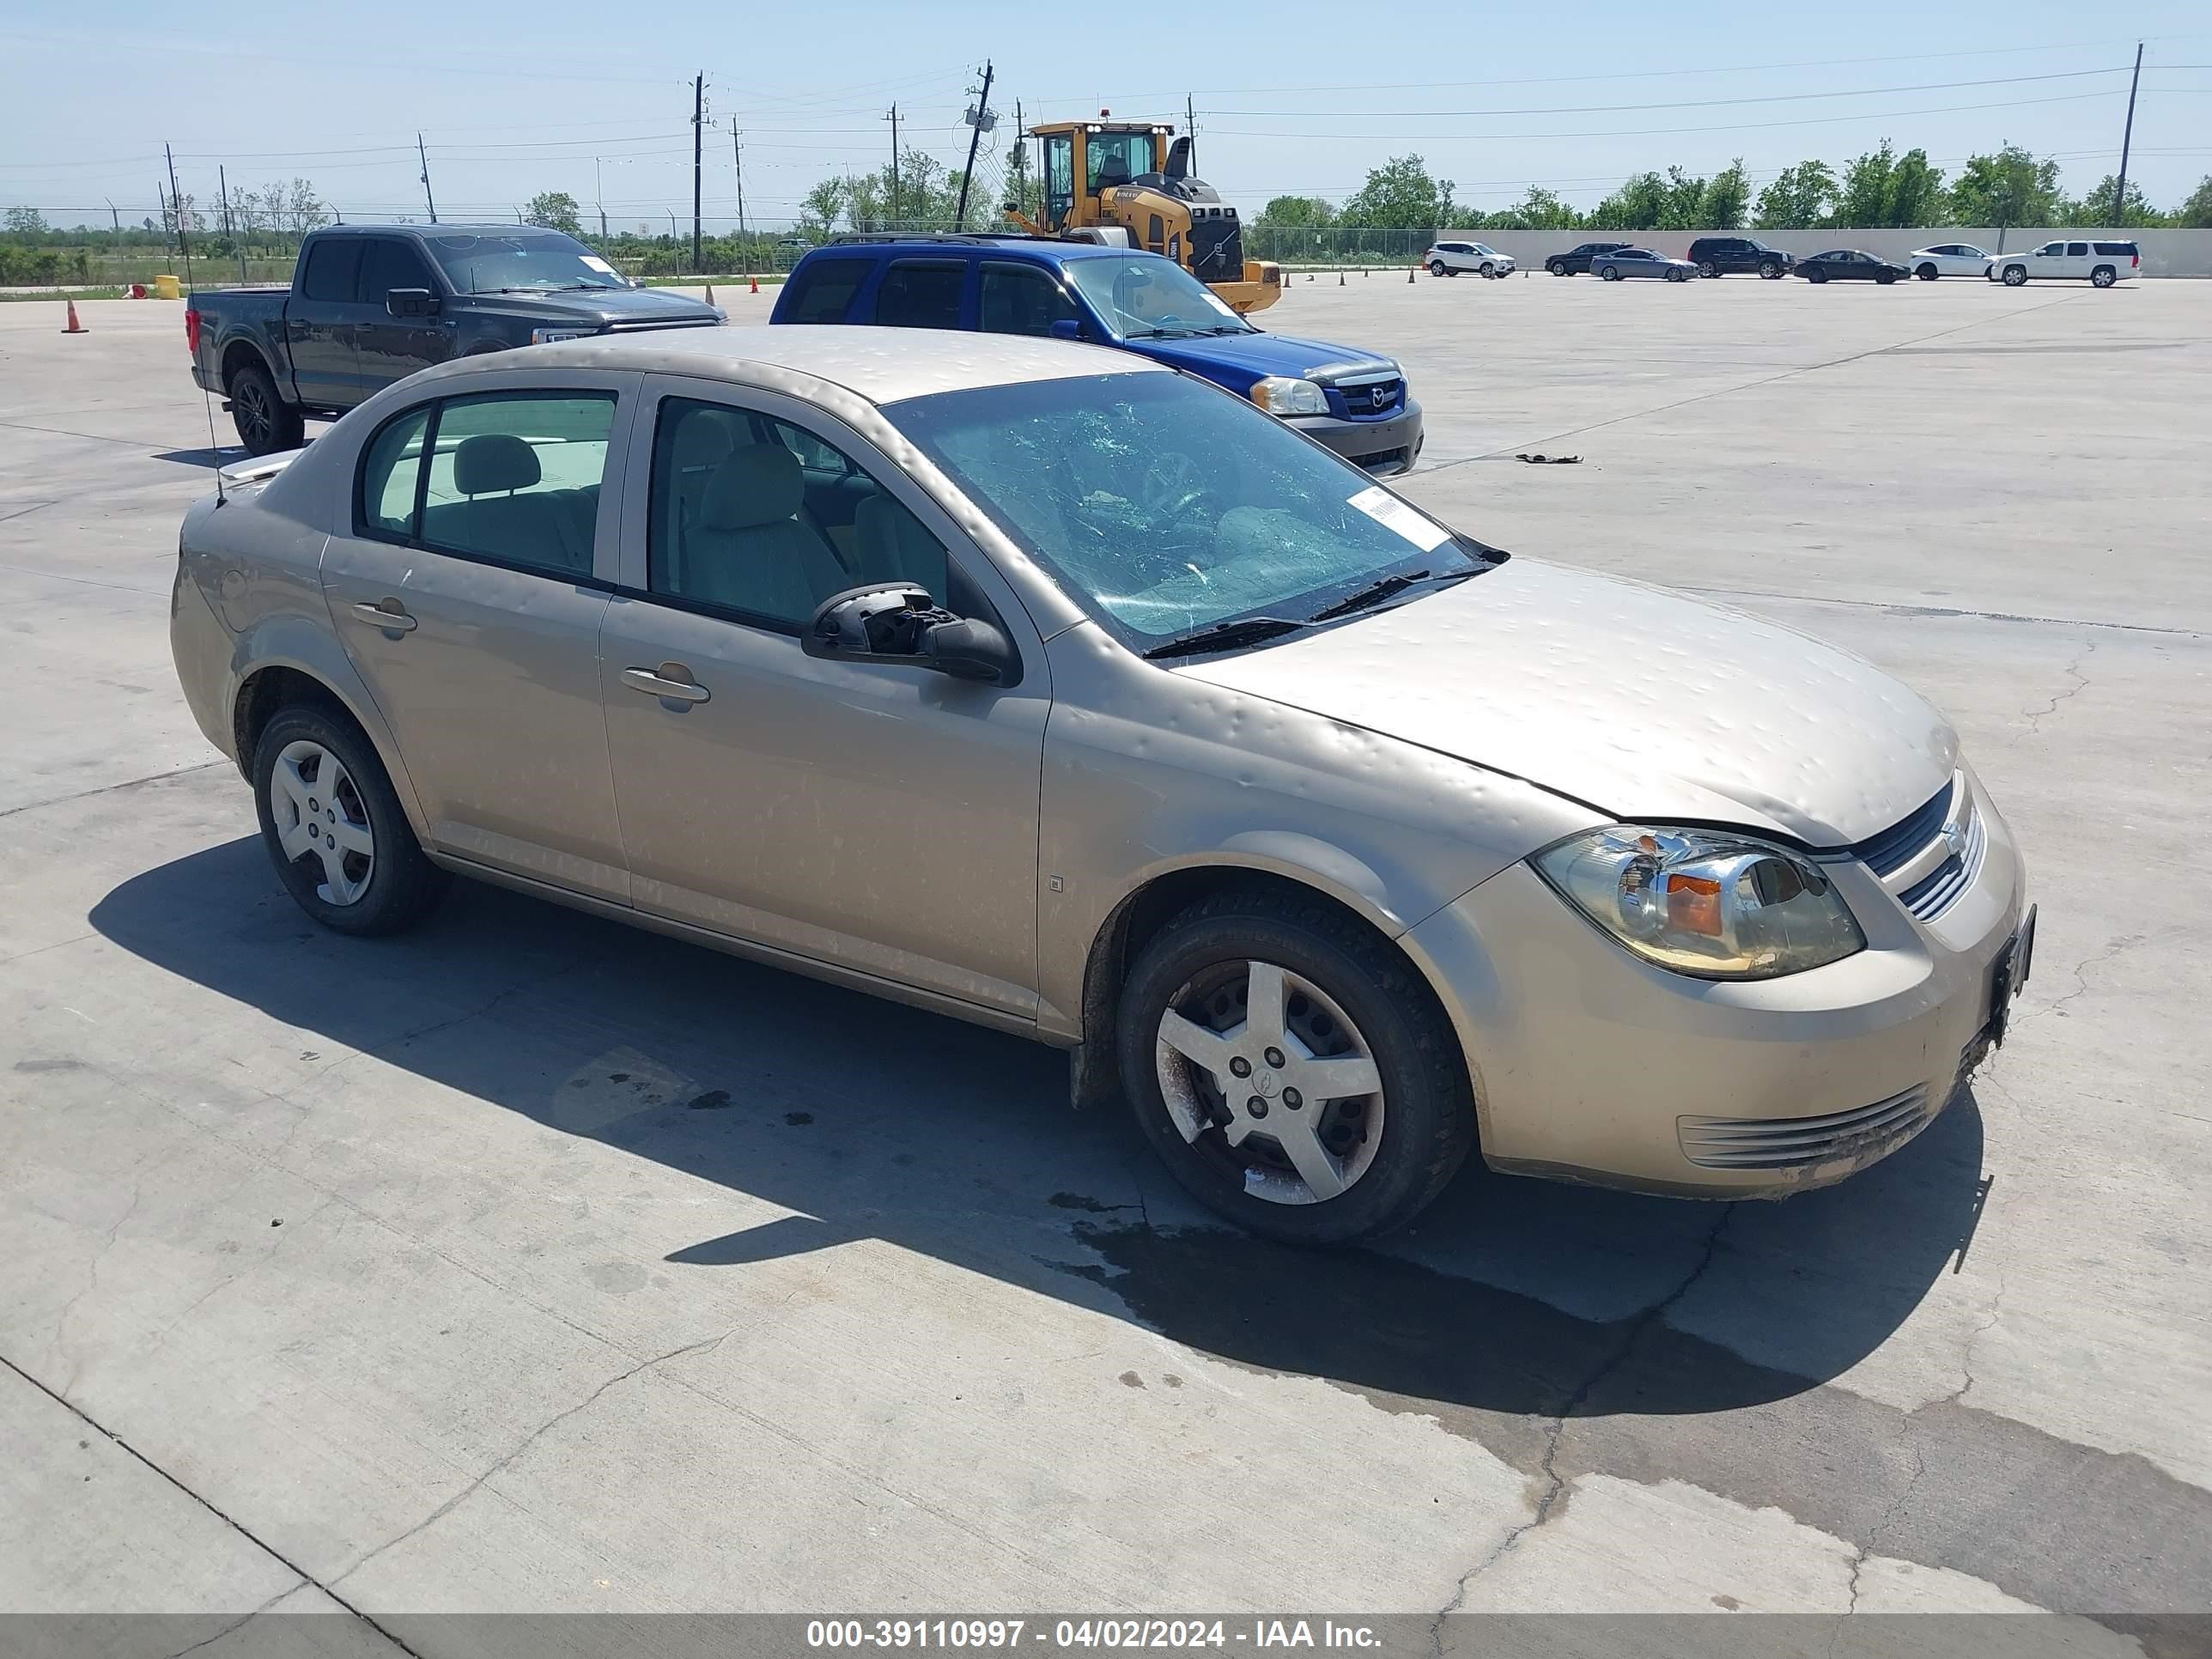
(980, 116)
(114, 213)
(1190, 131)
(1021, 160)
(737, 157)
(223, 194)
(183, 243)
(599, 196)
(2127, 136)
(423, 156)
(698, 131)
(893, 118)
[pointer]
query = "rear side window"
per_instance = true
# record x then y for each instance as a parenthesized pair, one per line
(2123, 250)
(2078, 250)
(919, 295)
(333, 269)
(821, 289)
(390, 472)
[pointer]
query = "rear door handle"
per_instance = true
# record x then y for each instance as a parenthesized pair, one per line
(662, 683)
(387, 614)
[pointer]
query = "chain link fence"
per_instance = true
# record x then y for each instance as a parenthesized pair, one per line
(1335, 247)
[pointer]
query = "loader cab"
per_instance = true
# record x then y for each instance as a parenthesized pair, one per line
(1083, 159)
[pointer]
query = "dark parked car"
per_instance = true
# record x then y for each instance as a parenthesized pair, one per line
(1576, 262)
(1725, 256)
(1850, 265)
(371, 304)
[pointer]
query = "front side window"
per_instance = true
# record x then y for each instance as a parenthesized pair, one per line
(519, 262)
(1022, 299)
(333, 269)
(514, 478)
(390, 264)
(1059, 179)
(915, 294)
(754, 514)
(1163, 506)
(1140, 296)
(822, 288)
(2051, 250)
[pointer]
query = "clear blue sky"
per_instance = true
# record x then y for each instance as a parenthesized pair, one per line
(1299, 97)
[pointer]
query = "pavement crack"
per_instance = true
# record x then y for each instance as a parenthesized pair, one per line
(530, 1440)
(110, 788)
(91, 1283)
(2118, 945)
(1554, 1484)
(2035, 717)
(238, 1623)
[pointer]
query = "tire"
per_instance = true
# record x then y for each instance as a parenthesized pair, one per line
(1383, 1013)
(1557, 267)
(1927, 273)
(1610, 274)
(1885, 277)
(1489, 272)
(2015, 275)
(1770, 272)
(307, 748)
(1675, 275)
(1816, 276)
(1438, 268)
(1708, 269)
(2103, 277)
(266, 424)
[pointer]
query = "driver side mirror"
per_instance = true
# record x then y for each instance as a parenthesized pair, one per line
(899, 622)
(411, 303)
(1067, 328)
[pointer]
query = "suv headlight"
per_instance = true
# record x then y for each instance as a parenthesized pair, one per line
(1704, 902)
(1279, 395)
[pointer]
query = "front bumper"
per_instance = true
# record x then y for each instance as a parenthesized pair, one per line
(1382, 447)
(1590, 1064)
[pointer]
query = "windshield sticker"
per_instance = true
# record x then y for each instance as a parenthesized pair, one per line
(1219, 304)
(597, 264)
(1387, 510)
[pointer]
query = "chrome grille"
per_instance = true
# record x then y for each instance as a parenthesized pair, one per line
(1939, 889)
(1789, 1143)
(1894, 848)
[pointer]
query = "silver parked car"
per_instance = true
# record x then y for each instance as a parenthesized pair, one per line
(1450, 258)
(1624, 263)
(1059, 691)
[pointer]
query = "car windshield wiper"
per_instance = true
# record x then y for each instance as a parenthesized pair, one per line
(1227, 636)
(1382, 588)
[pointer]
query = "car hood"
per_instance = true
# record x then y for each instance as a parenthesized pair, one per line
(1259, 355)
(603, 307)
(1636, 702)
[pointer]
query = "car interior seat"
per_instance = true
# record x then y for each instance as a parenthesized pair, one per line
(751, 548)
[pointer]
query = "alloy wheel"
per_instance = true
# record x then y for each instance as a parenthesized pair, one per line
(1264, 1074)
(256, 421)
(320, 814)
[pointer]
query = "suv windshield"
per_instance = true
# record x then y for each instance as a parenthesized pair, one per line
(1166, 507)
(1143, 296)
(476, 264)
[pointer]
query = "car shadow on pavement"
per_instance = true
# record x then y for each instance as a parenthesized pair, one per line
(1510, 1298)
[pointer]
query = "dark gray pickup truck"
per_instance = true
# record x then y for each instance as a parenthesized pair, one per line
(371, 304)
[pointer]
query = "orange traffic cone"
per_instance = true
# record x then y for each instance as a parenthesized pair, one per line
(74, 327)
(755, 285)
(710, 294)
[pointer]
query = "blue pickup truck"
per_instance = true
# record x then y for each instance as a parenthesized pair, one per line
(1354, 402)
(370, 304)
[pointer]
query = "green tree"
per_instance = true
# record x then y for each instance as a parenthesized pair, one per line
(1916, 190)
(554, 210)
(1297, 213)
(1863, 198)
(1400, 195)
(1798, 198)
(1640, 203)
(1726, 198)
(2095, 207)
(299, 209)
(2195, 212)
(1539, 210)
(24, 222)
(2010, 187)
(821, 209)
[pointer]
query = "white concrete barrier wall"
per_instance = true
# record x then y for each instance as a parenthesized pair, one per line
(2164, 253)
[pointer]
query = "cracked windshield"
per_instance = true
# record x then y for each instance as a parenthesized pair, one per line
(1164, 509)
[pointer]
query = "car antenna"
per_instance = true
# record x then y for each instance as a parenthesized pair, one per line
(185, 247)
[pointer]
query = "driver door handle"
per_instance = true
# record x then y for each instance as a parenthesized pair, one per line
(387, 614)
(659, 683)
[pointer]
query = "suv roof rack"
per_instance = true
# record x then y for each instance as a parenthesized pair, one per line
(964, 237)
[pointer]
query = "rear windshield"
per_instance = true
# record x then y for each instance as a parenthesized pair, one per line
(820, 290)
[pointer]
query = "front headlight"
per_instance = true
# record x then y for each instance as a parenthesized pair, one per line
(1705, 901)
(1280, 395)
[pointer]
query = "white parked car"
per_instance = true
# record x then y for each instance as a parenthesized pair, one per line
(2100, 264)
(1947, 259)
(1449, 259)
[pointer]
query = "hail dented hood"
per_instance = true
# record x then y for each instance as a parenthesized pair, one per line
(1641, 703)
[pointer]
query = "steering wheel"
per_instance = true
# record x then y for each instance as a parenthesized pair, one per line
(1173, 483)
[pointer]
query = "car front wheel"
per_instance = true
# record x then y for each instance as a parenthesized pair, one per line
(334, 826)
(2015, 275)
(1816, 276)
(1770, 272)
(1293, 1070)
(1557, 267)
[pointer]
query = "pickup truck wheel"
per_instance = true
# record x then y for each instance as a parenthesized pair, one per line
(1293, 1070)
(266, 424)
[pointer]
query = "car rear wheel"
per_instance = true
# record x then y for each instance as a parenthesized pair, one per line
(1438, 268)
(1770, 272)
(1293, 1070)
(1610, 274)
(266, 424)
(2015, 275)
(1707, 268)
(1927, 273)
(2103, 277)
(334, 826)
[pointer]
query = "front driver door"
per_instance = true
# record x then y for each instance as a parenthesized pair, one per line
(881, 820)
(390, 347)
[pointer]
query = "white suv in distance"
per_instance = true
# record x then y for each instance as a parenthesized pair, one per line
(1449, 259)
(1947, 259)
(2102, 263)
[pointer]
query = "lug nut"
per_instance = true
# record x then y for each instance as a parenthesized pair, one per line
(1240, 1067)
(1293, 1099)
(1257, 1106)
(1274, 1056)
